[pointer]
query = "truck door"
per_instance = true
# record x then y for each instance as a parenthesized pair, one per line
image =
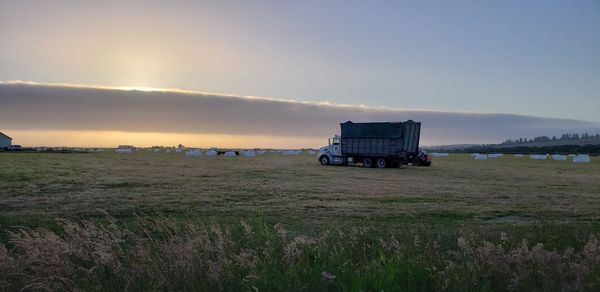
(335, 147)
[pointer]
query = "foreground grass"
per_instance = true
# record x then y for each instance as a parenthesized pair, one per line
(156, 253)
(287, 223)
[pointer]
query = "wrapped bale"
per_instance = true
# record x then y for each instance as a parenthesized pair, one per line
(193, 153)
(582, 158)
(248, 153)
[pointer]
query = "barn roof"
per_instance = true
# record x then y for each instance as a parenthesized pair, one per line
(2, 134)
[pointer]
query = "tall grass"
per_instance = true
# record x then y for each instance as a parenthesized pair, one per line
(156, 253)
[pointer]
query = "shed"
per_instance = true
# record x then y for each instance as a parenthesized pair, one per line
(5, 141)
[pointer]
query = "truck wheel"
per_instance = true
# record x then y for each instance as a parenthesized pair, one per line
(324, 160)
(416, 162)
(368, 162)
(381, 163)
(428, 163)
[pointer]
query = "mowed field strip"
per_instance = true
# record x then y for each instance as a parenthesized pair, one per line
(296, 188)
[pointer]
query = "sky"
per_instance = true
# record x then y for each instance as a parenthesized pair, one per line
(534, 59)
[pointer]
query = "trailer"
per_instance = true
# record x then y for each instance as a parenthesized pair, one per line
(383, 144)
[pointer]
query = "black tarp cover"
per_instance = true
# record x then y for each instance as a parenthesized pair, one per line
(371, 130)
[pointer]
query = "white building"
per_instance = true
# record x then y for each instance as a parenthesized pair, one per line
(5, 141)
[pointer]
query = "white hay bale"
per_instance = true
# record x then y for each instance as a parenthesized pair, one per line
(518, 155)
(156, 150)
(437, 154)
(559, 157)
(211, 153)
(311, 152)
(537, 157)
(480, 157)
(230, 154)
(581, 158)
(123, 151)
(193, 153)
(260, 152)
(178, 150)
(248, 153)
(291, 152)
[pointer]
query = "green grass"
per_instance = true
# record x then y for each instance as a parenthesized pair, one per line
(494, 204)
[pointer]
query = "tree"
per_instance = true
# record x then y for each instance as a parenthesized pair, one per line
(541, 139)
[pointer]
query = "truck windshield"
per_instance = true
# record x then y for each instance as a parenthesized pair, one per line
(336, 141)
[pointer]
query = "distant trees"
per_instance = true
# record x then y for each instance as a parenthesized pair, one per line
(563, 137)
(541, 139)
(558, 149)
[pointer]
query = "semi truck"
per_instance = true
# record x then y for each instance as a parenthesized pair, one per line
(380, 144)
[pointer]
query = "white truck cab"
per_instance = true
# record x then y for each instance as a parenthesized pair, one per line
(331, 154)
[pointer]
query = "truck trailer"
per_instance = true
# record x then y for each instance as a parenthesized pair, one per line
(381, 145)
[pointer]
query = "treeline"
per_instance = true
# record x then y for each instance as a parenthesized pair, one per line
(563, 137)
(557, 149)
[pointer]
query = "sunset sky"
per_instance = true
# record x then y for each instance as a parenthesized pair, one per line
(471, 71)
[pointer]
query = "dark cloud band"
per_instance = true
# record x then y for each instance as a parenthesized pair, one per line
(26, 106)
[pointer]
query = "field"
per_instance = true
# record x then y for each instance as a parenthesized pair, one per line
(148, 221)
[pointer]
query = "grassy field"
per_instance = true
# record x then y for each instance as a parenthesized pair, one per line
(149, 221)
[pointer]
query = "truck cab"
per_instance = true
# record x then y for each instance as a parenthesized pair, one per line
(332, 153)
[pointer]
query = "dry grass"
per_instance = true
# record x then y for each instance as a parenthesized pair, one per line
(162, 255)
(458, 225)
(296, 186)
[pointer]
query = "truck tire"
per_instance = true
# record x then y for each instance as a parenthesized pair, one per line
(416, 161)
(368, 162)
(324, 160)
(381, 163)
(428, 163)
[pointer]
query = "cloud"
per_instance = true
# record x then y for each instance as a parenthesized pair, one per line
(33, 106)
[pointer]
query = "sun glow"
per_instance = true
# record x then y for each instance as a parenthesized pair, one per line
(58, 138)
(140, 88)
